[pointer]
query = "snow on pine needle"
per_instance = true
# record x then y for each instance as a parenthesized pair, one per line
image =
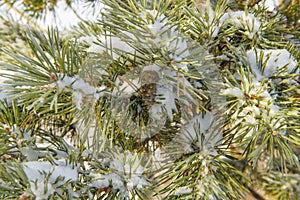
(47, 179)
(126, 173)
(156, 99)
(80, 89)
(242, 20)
(199, 136)
(267, 63)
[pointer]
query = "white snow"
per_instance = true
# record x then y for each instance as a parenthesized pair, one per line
(159, 28)
(249, 114)
(103, 181)
(87, 39)
(165, 99)
(242, 20)
(31, 154)
(65, 81)
(179, 61)
(155, 68)
(248, 89)
(109, 44)
(274, 116)
(43, 177)
(3, 94)
(279, 60)
(158, 158)
(77, 99)
(271, 5)
(182, 190)
(211, 23)
(165, 36)
(159, 25)
(201, 187)
(235, 92)
(196, 128)
(80, 89)
(125, 86)
(262, 111)
(126, 173)
(130, 167)
(84, 87)
(266, 113)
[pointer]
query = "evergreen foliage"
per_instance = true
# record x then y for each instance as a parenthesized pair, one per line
(157, 99)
